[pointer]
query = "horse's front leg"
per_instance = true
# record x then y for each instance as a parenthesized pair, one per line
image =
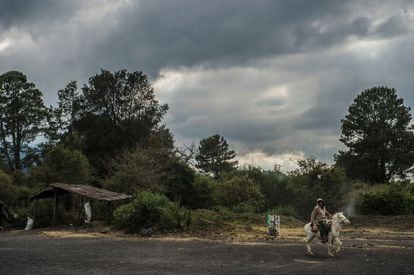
(308, 242)
(330, 241)
(339, 244)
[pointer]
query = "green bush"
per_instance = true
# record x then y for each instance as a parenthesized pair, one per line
(275, 189)
(63, 165)
(394, 199)
(285, 211)
(178, 180)
(8, 191)
(14, 196)
(139, 170)
(273, 184)
(314, 179)
(240, 194)
(204, 192)
(149, 210)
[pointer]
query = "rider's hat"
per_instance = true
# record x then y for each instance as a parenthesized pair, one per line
(320, 199)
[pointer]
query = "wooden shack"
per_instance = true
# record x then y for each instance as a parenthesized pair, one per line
(83, 192)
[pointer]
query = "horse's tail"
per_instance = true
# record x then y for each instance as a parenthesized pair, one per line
(308, 225)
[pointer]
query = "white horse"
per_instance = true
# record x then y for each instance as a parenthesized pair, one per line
(337, 220)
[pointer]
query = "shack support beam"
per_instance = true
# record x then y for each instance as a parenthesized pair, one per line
(34, 210)
(80, 210)
(55, 209)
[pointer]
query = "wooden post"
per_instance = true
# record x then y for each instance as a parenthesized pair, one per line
(80, 209)
(91, 204)
(34, 211)
(55, 208)
(110, 210)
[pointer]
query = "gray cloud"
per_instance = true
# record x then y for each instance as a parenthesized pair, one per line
(226, 33)
(271, 76)
(394, 26)
(28, 13)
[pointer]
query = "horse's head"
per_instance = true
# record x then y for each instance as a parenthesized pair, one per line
(341, 218)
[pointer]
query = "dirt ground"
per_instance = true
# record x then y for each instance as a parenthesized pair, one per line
(66, 251)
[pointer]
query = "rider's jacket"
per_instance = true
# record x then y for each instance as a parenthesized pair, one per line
(319, 214)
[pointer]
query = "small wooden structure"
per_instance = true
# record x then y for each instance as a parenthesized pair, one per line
(83, 191)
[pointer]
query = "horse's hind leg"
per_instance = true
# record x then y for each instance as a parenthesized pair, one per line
(330, 242)
(308, 241)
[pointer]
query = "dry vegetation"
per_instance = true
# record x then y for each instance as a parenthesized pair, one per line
(251, 228)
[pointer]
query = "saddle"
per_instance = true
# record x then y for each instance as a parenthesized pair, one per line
(328, 227)
(315, 227)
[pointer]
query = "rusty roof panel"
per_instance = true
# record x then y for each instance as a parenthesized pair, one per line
(91, 192)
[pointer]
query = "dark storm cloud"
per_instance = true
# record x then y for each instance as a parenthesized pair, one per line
(391, 67)
(150, 35)
(29, 12)
(226, 33)
(313, 37)
(155, 34)
(320, 117)
(394, 26)
(271, 76)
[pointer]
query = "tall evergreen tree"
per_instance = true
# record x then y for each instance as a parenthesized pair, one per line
(378, 134)
(214, 155)
(22, 117)
(64, 115)
(117, 112)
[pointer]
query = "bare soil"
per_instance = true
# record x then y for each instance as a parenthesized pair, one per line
(367, 250)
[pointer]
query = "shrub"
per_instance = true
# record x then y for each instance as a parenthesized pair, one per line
(8, 191)
(179, 183)
(275, 189)
(16, 198)
(204, 192)
(393, 199)
(273, 184)
(63, 165)
(285, 211)
(314, 179)
(241, 194)
(139, 170)
(149, 210)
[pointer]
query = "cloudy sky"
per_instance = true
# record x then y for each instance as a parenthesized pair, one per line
(273, 77)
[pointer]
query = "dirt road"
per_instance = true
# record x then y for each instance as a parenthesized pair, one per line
(41, 252)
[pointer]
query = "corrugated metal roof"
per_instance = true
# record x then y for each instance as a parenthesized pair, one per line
(91, 192)
(88, 191)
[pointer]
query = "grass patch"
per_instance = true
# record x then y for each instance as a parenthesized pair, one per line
(224, 224)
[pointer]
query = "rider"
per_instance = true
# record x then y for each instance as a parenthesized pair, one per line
(319, 218)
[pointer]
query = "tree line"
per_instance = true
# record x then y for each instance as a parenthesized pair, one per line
(109, 133)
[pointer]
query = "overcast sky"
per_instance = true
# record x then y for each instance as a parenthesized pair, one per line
(273, 77)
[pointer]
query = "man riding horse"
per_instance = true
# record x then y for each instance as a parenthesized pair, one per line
(319, 219)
